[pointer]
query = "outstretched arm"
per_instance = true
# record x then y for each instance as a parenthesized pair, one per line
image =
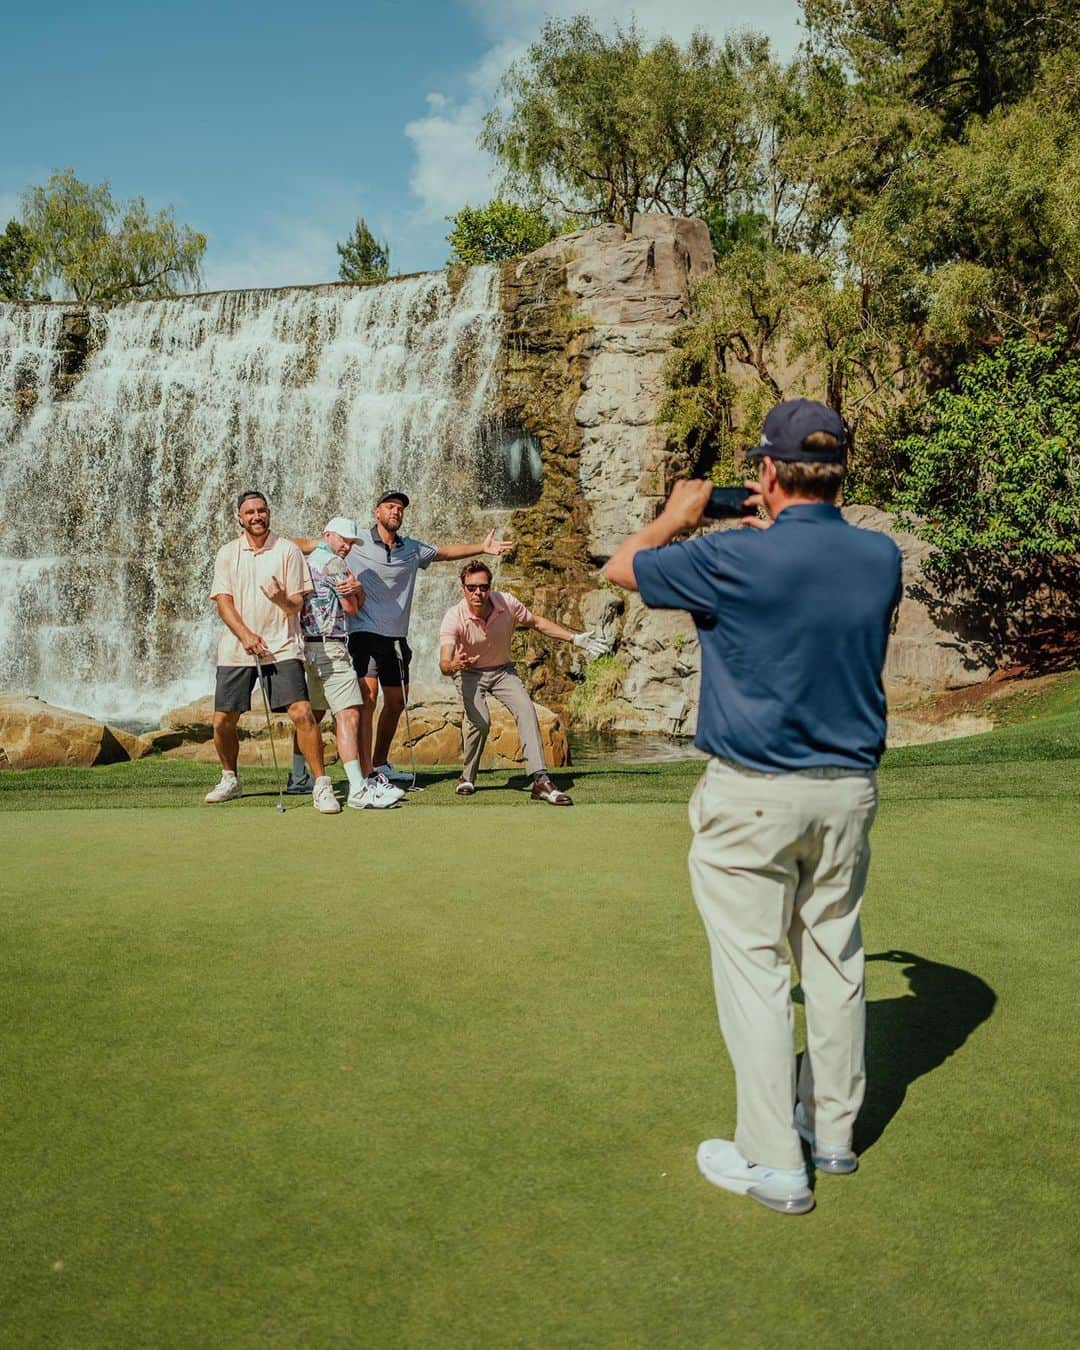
(682, 511)
(588, 642)
(492, 546)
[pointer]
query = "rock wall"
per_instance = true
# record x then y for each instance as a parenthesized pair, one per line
(589, 321)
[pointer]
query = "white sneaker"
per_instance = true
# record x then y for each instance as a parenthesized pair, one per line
(787, 1192)
(832, 1158)
(226, 790)
(394, 775)
(384, 784)
(373, 796)
(323, 798)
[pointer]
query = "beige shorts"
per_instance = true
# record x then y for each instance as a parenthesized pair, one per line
(331, 679)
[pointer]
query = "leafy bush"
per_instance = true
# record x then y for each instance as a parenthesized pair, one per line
(993, 468)
(496, 232)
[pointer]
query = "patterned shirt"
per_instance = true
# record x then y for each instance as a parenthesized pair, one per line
(322, 614)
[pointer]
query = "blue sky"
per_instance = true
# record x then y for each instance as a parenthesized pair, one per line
(270, 127)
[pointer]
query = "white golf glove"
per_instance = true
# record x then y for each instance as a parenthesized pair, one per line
(593, 645)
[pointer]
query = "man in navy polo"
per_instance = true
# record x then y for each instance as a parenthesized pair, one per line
(793, 619)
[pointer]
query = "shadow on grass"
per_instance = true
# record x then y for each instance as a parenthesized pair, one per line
(914, 1034)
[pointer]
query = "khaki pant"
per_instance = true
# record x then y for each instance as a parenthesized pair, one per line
(505, 684)
(781, 859)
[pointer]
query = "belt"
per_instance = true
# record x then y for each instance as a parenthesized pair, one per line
(322, 638)
(826, 771)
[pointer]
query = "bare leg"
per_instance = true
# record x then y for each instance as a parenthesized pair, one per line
(369, 690)
(226, 741)
(307, 736)
(392, 708)
(347, 728)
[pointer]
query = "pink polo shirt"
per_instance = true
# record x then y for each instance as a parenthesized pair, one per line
(486, 639)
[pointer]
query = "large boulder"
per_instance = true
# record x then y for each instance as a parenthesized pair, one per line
(932, 648)
(36, 735)
(434, 722)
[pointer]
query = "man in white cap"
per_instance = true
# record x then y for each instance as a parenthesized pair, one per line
(331, 678)
(387, 562)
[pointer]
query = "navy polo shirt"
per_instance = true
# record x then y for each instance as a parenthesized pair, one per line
(793, 623)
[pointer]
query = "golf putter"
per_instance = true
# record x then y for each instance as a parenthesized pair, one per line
(270, 733)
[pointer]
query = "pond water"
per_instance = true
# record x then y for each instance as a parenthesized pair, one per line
(612, 747)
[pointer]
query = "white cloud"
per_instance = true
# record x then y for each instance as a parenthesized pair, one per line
(450, 169)
(289, 252)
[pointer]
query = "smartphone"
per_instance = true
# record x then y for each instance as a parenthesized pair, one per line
(728, 503)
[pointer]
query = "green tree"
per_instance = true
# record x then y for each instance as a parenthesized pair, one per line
(363, 257)
(17, 260)
(597, 127)
(994, 466)
(497, 231)
(93, 248)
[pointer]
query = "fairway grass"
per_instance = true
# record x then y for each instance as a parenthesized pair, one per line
(436, 1077)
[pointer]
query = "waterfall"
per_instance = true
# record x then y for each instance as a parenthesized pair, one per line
(115, 495)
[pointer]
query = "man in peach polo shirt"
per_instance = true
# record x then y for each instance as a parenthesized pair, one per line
(474, 648)
(259, 585)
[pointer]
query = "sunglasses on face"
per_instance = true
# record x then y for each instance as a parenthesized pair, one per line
(478, 586)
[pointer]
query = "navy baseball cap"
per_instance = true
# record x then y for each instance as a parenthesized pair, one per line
(393, 497)
(787, 427)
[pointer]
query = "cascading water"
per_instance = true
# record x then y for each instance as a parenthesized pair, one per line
(114, 497)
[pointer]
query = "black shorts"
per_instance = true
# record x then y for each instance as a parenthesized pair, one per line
(374, 655)
(285, 684)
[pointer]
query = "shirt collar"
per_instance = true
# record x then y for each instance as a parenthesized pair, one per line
(808, 511)
(376, 538)
(271, 540)
(497, 602)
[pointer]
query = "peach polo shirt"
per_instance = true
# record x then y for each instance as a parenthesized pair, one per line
(486, 639)
(239, 571)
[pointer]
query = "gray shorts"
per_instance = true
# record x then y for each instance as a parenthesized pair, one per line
(285, 685)
(331, 679)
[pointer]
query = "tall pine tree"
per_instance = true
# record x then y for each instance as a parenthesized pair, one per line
(363, 257)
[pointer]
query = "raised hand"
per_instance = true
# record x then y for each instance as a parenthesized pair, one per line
(274, 591)
(496, 546)
(462, 659)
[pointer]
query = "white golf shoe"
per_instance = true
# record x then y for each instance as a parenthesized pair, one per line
(387, 788)
(323, 798)
(373, 796)
(226, 790)
(835, 1159)
(388, 771)
(786, 1192)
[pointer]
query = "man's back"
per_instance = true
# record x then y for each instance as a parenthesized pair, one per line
(793, 622)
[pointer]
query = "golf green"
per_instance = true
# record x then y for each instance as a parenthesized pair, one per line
(435, 1077)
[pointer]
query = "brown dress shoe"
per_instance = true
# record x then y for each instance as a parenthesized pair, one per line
(544, 790)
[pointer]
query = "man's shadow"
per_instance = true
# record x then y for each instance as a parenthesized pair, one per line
(915, 1033)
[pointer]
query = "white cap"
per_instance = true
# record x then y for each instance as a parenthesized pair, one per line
(344, 526)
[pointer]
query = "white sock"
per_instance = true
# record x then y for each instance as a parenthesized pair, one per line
(322, 778)
(355, 774)
(228, 773)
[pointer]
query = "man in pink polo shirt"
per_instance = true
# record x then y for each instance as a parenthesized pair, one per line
(474, 648)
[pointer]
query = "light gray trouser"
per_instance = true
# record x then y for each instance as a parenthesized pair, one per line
(779, 859)
(505, 684)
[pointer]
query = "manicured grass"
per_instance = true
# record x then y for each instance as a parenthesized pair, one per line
(435, 1077)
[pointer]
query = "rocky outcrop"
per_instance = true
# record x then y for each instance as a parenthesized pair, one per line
(36, 735)
(589, 324)
(435, 717)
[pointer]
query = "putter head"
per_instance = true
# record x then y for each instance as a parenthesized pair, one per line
(280, 807)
